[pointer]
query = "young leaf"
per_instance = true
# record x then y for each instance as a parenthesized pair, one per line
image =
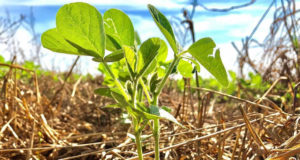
(111, 44)
(164, 26)
(119, 98)
(130, 57)
(82, 24)
(147, 53)
(163, 114)
(161, 57)
(112, 93)
(119, 26)
(197, 65)
(114, 56)
(153, 83)
(185, 68)
(103, 92)
(146, 115)
(202, 51)
(53, 41)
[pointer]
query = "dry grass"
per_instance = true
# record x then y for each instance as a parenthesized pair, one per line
(77, 126)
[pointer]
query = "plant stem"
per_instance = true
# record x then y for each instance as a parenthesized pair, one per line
(156, 134)
(156, 126)
(136, 123)
(162, 84)
(182, 53)
(116, 81)
(138, 141)
(139, 145)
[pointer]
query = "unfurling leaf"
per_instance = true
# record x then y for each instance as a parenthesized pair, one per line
(185, 68)
(147, 53)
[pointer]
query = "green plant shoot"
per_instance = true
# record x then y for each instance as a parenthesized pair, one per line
(82, 30)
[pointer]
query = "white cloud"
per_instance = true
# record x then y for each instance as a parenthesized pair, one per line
(229, 22)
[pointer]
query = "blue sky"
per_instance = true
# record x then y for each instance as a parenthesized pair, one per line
(223, 27)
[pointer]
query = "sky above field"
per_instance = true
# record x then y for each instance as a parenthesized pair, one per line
(223, 27)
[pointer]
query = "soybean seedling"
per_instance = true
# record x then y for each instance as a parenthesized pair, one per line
(82, 30)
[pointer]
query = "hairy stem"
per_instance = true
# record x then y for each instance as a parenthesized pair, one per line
(156, 134)
(138, 141)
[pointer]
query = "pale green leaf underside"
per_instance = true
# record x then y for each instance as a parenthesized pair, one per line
(119, 26)
(53, 41)
(202, 51)
(164, 26)
(82, 24)
(185, 68)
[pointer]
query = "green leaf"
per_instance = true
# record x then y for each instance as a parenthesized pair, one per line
(137, 39)
(2, 60)
(202, 51)
(166, 109)
(197, 65)
(161, 71)
(232, 75)
(164, 26)
(118, 97)
(161, 57)
(53, 41)
(113, 106)
(82, 24)
(163, 114)
(119, 26)
(147, 53)
(154, 81)
(114, 56)
(185, 68)
(112, 93)
(111, 44)
(162, 52)
(130, 57)
(103, 92)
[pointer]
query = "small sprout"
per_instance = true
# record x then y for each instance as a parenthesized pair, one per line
(81, 30)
